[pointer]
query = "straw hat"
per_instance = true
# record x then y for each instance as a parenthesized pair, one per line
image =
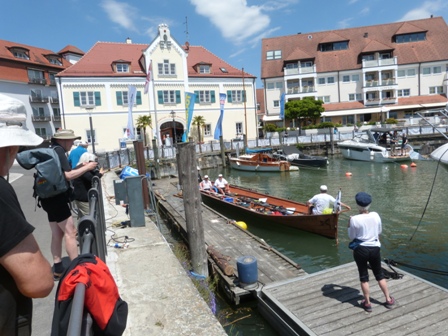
(65, 134)
(12, 124)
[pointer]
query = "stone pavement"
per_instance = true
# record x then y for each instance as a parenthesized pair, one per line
(162, 299)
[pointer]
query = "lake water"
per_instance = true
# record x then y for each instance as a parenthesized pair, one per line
(400, 196)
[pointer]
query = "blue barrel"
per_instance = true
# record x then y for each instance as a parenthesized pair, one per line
(247, 269)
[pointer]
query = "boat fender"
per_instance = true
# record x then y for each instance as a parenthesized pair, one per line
(241, 224)
(413, 164)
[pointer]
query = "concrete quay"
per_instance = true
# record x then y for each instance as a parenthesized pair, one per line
(162, 299)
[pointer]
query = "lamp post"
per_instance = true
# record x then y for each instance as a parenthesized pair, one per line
(173, 115)
(92, 138)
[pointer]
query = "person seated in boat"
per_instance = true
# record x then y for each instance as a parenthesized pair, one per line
(318, 203)
(206, 184)
(222, 185)
(376, 135)
(383, 139)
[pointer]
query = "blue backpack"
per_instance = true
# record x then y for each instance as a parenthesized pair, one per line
(49, 180)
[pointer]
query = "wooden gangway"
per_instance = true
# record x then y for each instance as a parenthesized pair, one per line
(327, 303)
(230, 240)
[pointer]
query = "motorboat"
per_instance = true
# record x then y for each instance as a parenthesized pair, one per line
(260, 162)
(441, 154)
(364, 147)
(298, 158)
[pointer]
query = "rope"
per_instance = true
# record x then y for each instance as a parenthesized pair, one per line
(423, 269)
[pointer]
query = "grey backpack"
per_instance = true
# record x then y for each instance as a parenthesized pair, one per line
(49, 180)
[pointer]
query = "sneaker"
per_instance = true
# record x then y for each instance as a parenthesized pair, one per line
(390, 304)
(366, 307)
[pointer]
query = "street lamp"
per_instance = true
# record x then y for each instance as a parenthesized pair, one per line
(173, 115)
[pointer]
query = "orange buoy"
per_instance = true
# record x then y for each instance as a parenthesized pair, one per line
(404, 166)
(413, 164)
(348, 174)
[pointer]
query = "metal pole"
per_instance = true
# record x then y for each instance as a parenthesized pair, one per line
(91, 133)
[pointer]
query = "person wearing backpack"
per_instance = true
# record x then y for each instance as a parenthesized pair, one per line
(24, 271)
(58, 207)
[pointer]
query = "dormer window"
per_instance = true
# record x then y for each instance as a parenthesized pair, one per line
(273, 54)
(20, 53)
(224, 70)
(122, 67)
(343, 45)
(204, 69)
(412, 37)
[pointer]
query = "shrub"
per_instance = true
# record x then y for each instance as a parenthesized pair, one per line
(391, 121)
(325, 124)
(270, 128)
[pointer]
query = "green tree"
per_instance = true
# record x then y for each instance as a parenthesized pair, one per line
(143, 122)
(199, 122)
(307, 109)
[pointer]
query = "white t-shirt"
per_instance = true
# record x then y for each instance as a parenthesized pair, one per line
(366, 227)
(220, 183)
(321, 202)
(206, 184)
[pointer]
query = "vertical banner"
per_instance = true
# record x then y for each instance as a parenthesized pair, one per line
(148, 77)
(189, 109)
(218, 129)
(282, 106)
(132, 91)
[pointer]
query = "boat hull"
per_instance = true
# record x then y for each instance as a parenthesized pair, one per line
(372, 154)
(257, 167)
(237, 203)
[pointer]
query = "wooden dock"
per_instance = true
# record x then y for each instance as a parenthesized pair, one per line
(230, 240)
(327, 303)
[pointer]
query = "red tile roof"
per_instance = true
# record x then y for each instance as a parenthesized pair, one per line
(71, 49)
(434, 48)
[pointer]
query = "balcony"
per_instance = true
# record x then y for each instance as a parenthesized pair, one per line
(41, 81)
(52, 82)
(300, 71)
(38, 99)
(389, 81)
(54, 100)
(57, 117)
(379, 62)
(303, 89)
(371, 83)
(41, 117)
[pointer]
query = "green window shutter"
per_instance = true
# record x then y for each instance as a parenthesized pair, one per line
(178, 101)
(139, 98)
(160, 96)
(196, 100)
(244, 95)
(229, 96)
(212, 95)
(97, 98)
(119, 98)
(76, 99)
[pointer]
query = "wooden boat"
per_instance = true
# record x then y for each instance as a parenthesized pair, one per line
(273, 210)
(298, 158)
(259, 162)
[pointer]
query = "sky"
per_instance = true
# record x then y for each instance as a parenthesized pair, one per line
(231, 29)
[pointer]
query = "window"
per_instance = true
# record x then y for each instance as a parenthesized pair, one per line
(333, 46)
(166, 68)
(330, 80)
(346, 78)
(437, 70)
(41, 131)
(36, 76)
(279, 85)
(325, 99)
(273, 54)
(355, 78)
(385, 56)
(411, 72)
(52, 78)
(270, 86)
(87, 98)
(306, 64)
(321, 81)
(91, 136)
(350, 119)
(401, 73)
(123, 99)
(169, 97)
(205, 96)
(426, 71)
(393, 114)
(204, 69)
(36, 95)
(54, 60)
(236, 96)
(19, 53)
(412, 37)
(435, 89)
(369, 57)
(56, 114)
(208, 129)
(122, 67)
(38, 112)
(276, 103)
(355, 97)
(239, 128)
(404, 93)
(291, 65)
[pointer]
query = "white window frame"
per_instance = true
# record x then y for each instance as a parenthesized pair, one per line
(270, 86)
(166, 68)
(205, 97)
(355, 97)
(237, 96)
(276, 103)
(204, 69)
(321, 81)
(355, 78)
(330, 80)
(437, 70)
(89, 138)
(239, 128)
(122, 67)
(41, 131)
(403, 92)
(410, 72)
(169, 96)
(207, 129)
(435, 89)
(345, 78)
(38, 111)
(87, 98)
(279, 85)
(426, 71)
(325, 99)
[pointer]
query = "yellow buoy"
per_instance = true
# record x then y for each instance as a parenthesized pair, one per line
(241, 225)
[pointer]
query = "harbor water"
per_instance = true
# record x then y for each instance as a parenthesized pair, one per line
(410, 200)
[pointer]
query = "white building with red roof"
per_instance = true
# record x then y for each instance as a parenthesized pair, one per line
(361, 74)
(96, 88)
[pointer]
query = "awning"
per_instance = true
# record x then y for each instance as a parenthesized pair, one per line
(271, 118)
(351, 112)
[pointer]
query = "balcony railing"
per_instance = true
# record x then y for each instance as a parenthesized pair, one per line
(55, 100)
(38, 99)
(52, 82)
(300, 71)
(56, 118)
(371, 83)
(42, 81)
(379, 62)
(41, 118)
(389, 81)
(303, 89)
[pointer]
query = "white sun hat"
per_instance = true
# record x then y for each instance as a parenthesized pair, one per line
(13, 131)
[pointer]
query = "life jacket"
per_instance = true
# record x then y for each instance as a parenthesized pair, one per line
(102, 300)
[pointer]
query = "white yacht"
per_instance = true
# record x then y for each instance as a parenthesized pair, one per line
(441, 154)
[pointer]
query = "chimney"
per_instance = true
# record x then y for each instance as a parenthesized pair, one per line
(128, 40)
(366, 35)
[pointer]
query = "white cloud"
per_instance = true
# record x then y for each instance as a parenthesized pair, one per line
(344, 23)
(351, 2)
(427, 9)
(121, 13)
(235, 19)
(365, 11)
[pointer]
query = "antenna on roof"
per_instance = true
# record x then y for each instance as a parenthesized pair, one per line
(186, 28)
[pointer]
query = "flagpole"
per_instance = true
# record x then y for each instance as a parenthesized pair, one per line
(245, 114)
(150, 76)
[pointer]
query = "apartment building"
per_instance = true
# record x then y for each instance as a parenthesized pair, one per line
(28, 73)
(95, 92)
(361, 74)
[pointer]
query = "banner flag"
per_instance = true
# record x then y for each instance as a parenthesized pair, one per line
(148, 77)
(189, 109)
(132, 91)
(337, 207)
(218, 129)
(282, 106)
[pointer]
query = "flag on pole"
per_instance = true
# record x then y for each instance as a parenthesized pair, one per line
(218, 129)
(282, 106)
(148, 77)
(189, 109)
(132, 91)
(337, 207)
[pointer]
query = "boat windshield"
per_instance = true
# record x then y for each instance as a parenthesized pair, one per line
(364, 137)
